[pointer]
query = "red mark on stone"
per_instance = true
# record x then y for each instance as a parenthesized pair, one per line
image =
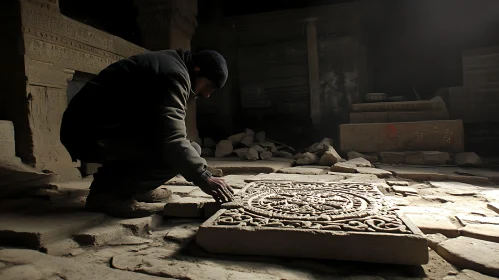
(391, 131)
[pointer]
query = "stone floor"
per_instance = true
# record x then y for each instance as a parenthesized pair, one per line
(458, 218)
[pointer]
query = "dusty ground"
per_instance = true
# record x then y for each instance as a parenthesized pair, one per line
(164, 246)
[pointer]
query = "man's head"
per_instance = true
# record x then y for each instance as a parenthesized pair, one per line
(210, 72)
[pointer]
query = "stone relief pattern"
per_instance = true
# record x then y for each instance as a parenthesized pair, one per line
(57, 24)
(317, 206)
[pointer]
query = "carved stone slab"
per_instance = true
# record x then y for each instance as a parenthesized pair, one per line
(342, 221)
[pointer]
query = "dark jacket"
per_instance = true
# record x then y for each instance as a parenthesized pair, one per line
(141, 97)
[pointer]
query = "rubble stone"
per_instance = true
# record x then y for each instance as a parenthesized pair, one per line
(330, 157)
(359, 162)
(207, 152)
(100, 235)
(260, 136)
(224, 148)
(237, 138)
(404, 190)
(249, 132)
(467, 159)
(302, 170)
(265, 155)
(470, 253)
(473, 219)
(241, 152)
(344, 167)
(307, 159)
(435, 238)
(209, 143)
(354, 155)
(398, 183)
(182, 233)
(181, 190)
(253, 153)
(433, 223)
(187, 207)
(436, 158)
(248, 140)
(392, 157)
(284, 154)
(380, 173)
(485, 232)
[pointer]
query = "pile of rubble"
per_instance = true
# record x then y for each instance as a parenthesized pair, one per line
(321, 153)
(246, 145)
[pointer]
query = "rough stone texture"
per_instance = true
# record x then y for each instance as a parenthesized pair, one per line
(481, 231)
(380, 173)
(430, 224)
(7, 140)
(182, 233)
(465, 159)
(269, 146)
(209, 143)
(359, 162)
(416, 174)
(397, 183)
(307, 159)
(236, 166)
(37, 231)
(266, 155)
(494, 207)
(140, 226)
(199, 193)
(224, 148)
(63, 247)
(456, 188)
(129, 240)
(404, 190)
(353, 155)
(434, 239)
(248, 140)
(467, 274)
(260, 136)
(241, 152)
(321, 232)
(473, 219)
(344, 167)
(302, 170)
(187, 207)
(207, 152)
(330, 157)
(252, 154)
(181, 190)
(100, 235)
(406, 136)
(427, 158)
(237, 181)
(237, 138)
(35, 265)
(392, 157)
(470, 253)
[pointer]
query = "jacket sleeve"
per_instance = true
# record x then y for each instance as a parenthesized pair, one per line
(177, 150)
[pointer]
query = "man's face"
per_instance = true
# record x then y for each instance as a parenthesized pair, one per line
(203, 87)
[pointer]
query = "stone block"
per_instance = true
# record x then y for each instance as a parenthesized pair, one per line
(434, 223)
(398, 183)
(485, 232)
(434, 239)
(467, 274)
(401, 106)
(302, 170)
(470, 253)
(427, 158)
(269, 146)
(99, 236)
(140, 226)
(445, 135)
(224, 148)
(330, 157)
(370, 158)
(380, 173)
(307, 159)
(392, 157)
(248, 140)
(253, 153)
(320, 233)
(187, 207)
(473, 219)
(344, 167)
(241, 152)
(6, 131)
(384, 117)
(368, 117)
(181, 190)
(404, 190)
(467, 159)
(266, 155)
(182, 233)
(7, 149)
(237, 138)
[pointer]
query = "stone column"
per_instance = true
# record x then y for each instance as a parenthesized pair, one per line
(170, 24)
(313, 70)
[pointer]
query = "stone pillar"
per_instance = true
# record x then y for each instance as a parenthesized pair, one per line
(170, 24)
(313, 70)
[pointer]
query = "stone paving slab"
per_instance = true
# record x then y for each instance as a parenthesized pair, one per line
(272, 217)
(236, 166)
(35, 265)
(470, 253)
(303, 170)
(484, 232)
(434, 223)
(180, 190)
(189, 207)
(467, 274)
(99, 236)
(295, 177)
(473, 219)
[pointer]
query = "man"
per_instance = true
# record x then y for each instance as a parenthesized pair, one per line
(131, 118)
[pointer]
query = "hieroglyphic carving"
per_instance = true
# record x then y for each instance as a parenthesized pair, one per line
(317, 206)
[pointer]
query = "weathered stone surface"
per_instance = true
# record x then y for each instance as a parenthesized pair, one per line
(486, 232)
(397, 201)
(307, 159)
(224, 148)
(427, 158)
(392, 157)
(269, 146)
(199, 193)
(207, 152)
(431, 223)
(397, 183)
(354, 155)
(330, 157)
(473, 219)
(142, 225)
(248, 140)
(456, 188)
(344, 167)
(434, 239)
(322, 233)
(266, 155)
(470, 253)
(494, 207)
(465, 159)
(359, 162)
(7, 142)
(241, 152)
(31, 264)
(404, 190)
(253, 153)
(187, 207)
(380, 173)
(260, 136)
(295, 178)
(63, 247)
(129, 240)
(36, 231)
(237, 138)
(416, 174)
(444, 135)
(181, 190)
(182, 233)
(209, 143)
(302, 170)
(100, 235)
(237, 181)
(467, 274)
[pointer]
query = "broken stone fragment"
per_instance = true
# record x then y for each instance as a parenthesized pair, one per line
(354, 155)
(248, 140)
(224, 148)
(207, 152)
(467, 159)
(485, 232)
(330, 157)
(359, 162)
(260, 136)
(237, 138)
(392, 157)
(344, 167)
(253, 153)
(249, 132)
(284, 154)
(265, 155)
(307, 159)
(209, 143)
(269, 146)
(258, 148)
(242, 152)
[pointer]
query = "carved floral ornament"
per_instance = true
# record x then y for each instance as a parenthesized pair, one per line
(317, 206)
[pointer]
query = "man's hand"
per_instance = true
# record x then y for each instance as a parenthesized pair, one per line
(217, 188)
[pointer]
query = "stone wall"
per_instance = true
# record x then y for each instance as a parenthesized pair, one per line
(44, 51)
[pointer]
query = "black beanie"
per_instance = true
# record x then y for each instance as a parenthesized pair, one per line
(213, 66)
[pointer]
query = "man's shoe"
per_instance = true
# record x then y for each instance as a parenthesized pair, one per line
(114, 205)
(160, 194)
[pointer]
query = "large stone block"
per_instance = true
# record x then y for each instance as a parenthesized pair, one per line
(401, 106)
(444, 135)
(271, 218)
(382, 117)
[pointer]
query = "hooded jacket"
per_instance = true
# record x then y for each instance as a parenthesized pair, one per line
(148, 92)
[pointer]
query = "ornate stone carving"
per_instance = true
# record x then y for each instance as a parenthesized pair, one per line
(324, 206)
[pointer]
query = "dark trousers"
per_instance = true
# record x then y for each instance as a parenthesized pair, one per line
(130, 160)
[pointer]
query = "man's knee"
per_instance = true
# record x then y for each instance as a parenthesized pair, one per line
(196, 147)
